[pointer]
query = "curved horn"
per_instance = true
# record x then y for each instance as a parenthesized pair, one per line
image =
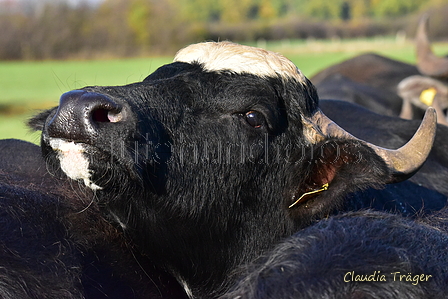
(427, 62)
(402, 162)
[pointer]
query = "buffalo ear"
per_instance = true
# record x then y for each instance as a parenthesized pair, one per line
(36, 123)
(336, 168)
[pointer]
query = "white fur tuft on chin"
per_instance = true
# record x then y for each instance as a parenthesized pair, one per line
(73, 161)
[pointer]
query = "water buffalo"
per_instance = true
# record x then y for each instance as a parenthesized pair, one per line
(388, 86)
(365, 254)
(213, 159)
(430, 88)
(355, 255)
(369, 80)
(55, 243)
(200, 168)
(392, 132)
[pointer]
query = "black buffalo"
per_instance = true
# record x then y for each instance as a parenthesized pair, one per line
(369, 80)
(390, 87)
(355, 255)
(55, 243)
(430, 88)
(365, 254)
(216, 157)
(392, 132)
(211, 161)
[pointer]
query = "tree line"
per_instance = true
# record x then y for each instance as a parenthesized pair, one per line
(139, 27)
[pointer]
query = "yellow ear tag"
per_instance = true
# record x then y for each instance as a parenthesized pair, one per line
(427, 96)
(324, 188)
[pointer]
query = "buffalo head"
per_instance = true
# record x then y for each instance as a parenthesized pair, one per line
(430, 88)
(215, 157)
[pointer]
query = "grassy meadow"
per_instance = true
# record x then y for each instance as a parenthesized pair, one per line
(29, 86)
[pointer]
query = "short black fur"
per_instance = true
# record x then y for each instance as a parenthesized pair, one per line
(194, 186)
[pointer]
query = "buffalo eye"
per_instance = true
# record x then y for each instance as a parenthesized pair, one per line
(255, 119)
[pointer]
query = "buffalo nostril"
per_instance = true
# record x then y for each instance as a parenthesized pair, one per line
(82, 114)
(102, 115)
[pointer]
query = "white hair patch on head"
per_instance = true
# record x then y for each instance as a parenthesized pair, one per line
(73, 162)
(220, 56)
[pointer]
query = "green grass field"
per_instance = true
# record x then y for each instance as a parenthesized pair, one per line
(26, 87)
